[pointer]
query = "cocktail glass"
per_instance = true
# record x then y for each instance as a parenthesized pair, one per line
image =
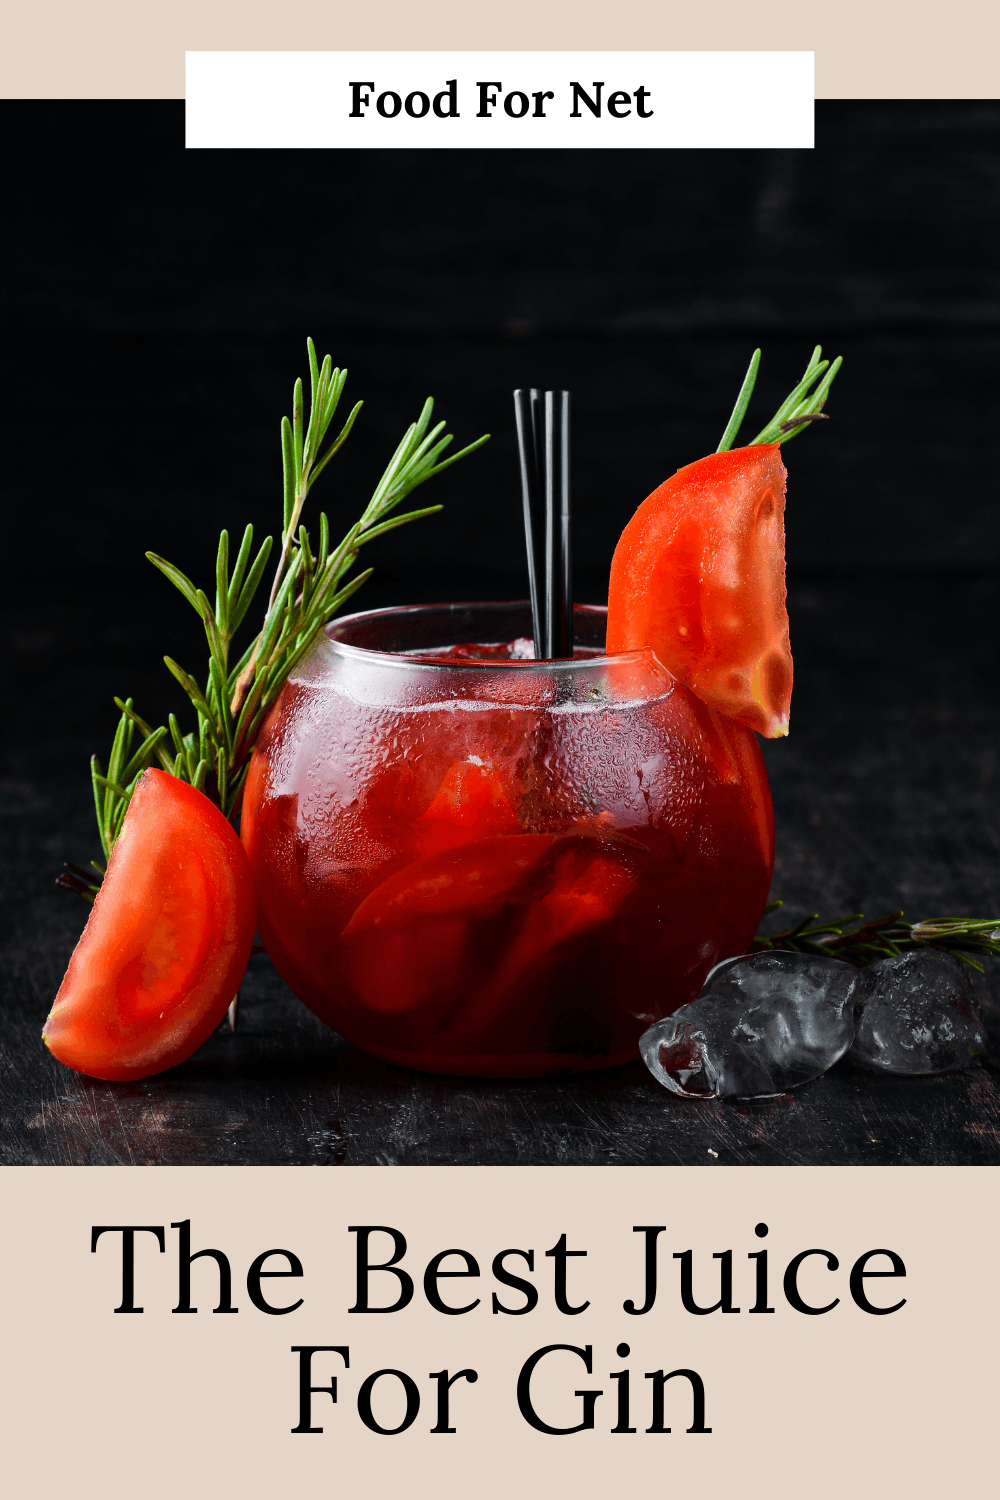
(491, 865)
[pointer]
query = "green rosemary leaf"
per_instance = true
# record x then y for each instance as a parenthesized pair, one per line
(324, 407)
(297, 440)
(772, 432)
(423, 421)
(814, 404)
(462, 453)
(119, 746)
(251, 703)
(165, 759)
(269, 634)
(794, 405)
(130, 713)
(329, 607)
(965, 959)
(222, 583)
(175, 734)
(239, 568)
(812, 373)
(425, 453)
(336, 381)
(860, 941)
(346, 551)
(234, 791)
(396, 462)
(313, 376)
(338, 441)
(307, 567)
(313, 437)
(112, 786)
(211, 629)
(140, 760)
(225, 721)
(288, 467)
(384, 526)
(939, 927)
(249, 589)
(329, 599)
(96, 780)
(305, 551)
(189, 685)
(742, 402)
(206, 738)
(177, 578)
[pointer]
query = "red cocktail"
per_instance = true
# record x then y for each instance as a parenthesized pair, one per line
(489, 865)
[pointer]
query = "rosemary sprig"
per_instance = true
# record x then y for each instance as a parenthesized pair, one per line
(861, 942)
(802, 406)
(310, 584)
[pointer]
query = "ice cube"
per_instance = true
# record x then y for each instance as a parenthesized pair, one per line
(917, 1013)
(762, 1024)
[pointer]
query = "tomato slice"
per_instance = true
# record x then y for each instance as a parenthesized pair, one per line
(167, 942)
(406, 942)
(469, 804)
(699, 576)
(590, 881)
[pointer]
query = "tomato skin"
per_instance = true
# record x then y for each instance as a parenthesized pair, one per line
(699, 576)
(166, 944)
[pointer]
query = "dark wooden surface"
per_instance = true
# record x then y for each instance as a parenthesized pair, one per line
(170, 296)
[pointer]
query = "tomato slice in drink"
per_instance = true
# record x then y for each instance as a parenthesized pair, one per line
(469, 804)
(406, 942)
(699, 576)
(590, 881)
(167, 942)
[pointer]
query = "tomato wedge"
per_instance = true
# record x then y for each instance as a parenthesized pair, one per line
(405, 944)
(469, 804)
(167, 942)
(699, 576)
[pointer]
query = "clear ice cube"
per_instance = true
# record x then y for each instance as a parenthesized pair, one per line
(917, 1013)
(761, 1025)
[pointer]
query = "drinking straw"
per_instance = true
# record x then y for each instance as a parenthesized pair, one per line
(528, 416)
(542, 419)
(558, 569)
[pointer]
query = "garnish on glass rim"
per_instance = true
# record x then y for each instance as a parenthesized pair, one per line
(308, 588)
(698, 575)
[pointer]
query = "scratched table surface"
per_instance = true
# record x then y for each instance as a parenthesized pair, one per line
(886, 796)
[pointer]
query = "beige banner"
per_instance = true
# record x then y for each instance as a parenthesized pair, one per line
(157, 1403)
(865, 49)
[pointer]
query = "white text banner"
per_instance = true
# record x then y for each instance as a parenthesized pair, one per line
(501, 100)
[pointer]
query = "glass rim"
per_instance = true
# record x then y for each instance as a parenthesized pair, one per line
(548, 665)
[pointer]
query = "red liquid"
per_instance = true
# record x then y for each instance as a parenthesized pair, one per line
(464, 872)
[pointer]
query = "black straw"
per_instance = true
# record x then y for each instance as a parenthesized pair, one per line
(558, 575)
(543, 443)
(528, 429)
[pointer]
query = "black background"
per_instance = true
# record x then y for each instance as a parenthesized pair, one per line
(156, 308)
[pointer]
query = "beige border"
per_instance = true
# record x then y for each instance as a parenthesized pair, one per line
(826, 1407)
(118, 49)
